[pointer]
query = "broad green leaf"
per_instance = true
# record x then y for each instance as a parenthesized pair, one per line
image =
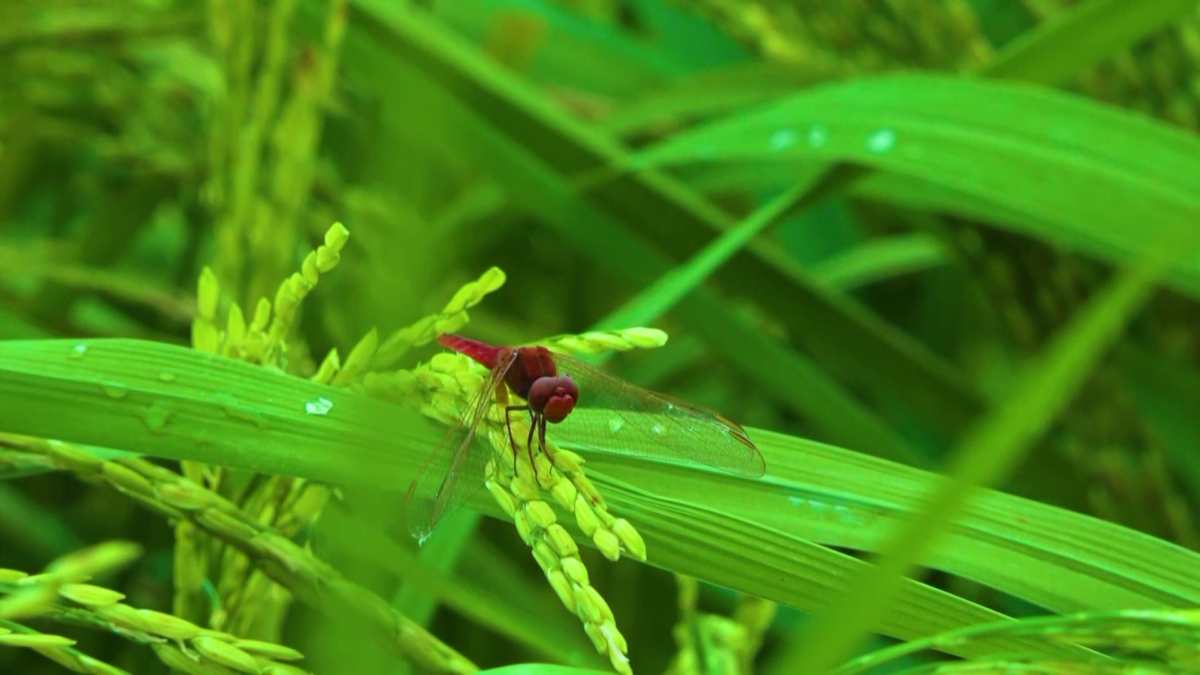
(167, 401)
(1072, 42)
(751, 536)
(1038, 154)
(1058, 559)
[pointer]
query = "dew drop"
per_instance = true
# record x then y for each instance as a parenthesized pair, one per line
(235, 409)
(657, 429)
(114, 389)
(817, 136)
(881, 141)
(318, 406)
(79, 351)
(157, 416)
(166, 377)
(615, 424)
(782, 139)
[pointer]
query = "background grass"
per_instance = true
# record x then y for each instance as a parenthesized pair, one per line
(937, 256)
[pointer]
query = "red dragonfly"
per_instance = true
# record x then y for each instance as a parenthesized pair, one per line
(553, 385)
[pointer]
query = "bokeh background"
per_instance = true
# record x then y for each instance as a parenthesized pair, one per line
(885, 309)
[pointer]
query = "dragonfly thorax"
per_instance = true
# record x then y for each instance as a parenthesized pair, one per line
(553, 397)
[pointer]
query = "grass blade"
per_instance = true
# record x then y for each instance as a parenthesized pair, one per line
(881, 259)
(1057, 50)
(1035, 154)
(990, 452)
(669, 289)
(167, 401)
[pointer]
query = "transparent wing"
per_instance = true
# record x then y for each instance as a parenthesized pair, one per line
(626, 419)
(456, 468)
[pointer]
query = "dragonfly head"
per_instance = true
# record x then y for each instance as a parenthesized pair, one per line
(553, 397)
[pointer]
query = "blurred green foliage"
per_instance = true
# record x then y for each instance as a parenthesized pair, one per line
(896, 240)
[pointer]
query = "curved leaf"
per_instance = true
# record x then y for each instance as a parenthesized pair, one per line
(753, 536)
(1056, 166)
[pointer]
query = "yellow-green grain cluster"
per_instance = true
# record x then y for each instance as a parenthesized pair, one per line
(520, 495)
(237, 533)
(443, 386)
(30, 595)
(54, 647)
(60, 594)
(596, 342)
(264, 135)
(248, 602)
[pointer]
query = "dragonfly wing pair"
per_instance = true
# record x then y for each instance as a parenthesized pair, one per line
(622, 419)
(457, 467)
(629, 420)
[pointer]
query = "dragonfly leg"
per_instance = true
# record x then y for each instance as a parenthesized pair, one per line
(533, 425)
(508, 410)
(542, 440)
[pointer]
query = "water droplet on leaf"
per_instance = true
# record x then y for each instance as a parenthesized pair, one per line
(113, 389)
(615, 424)
(818, 135)
(157, 416)
(657, 429)
(318, 406)
(166, 377)
(881, 141)
(782, 139)
(78, 351)
(235, 409)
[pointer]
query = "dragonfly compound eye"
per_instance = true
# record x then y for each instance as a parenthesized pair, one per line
(554, 397)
